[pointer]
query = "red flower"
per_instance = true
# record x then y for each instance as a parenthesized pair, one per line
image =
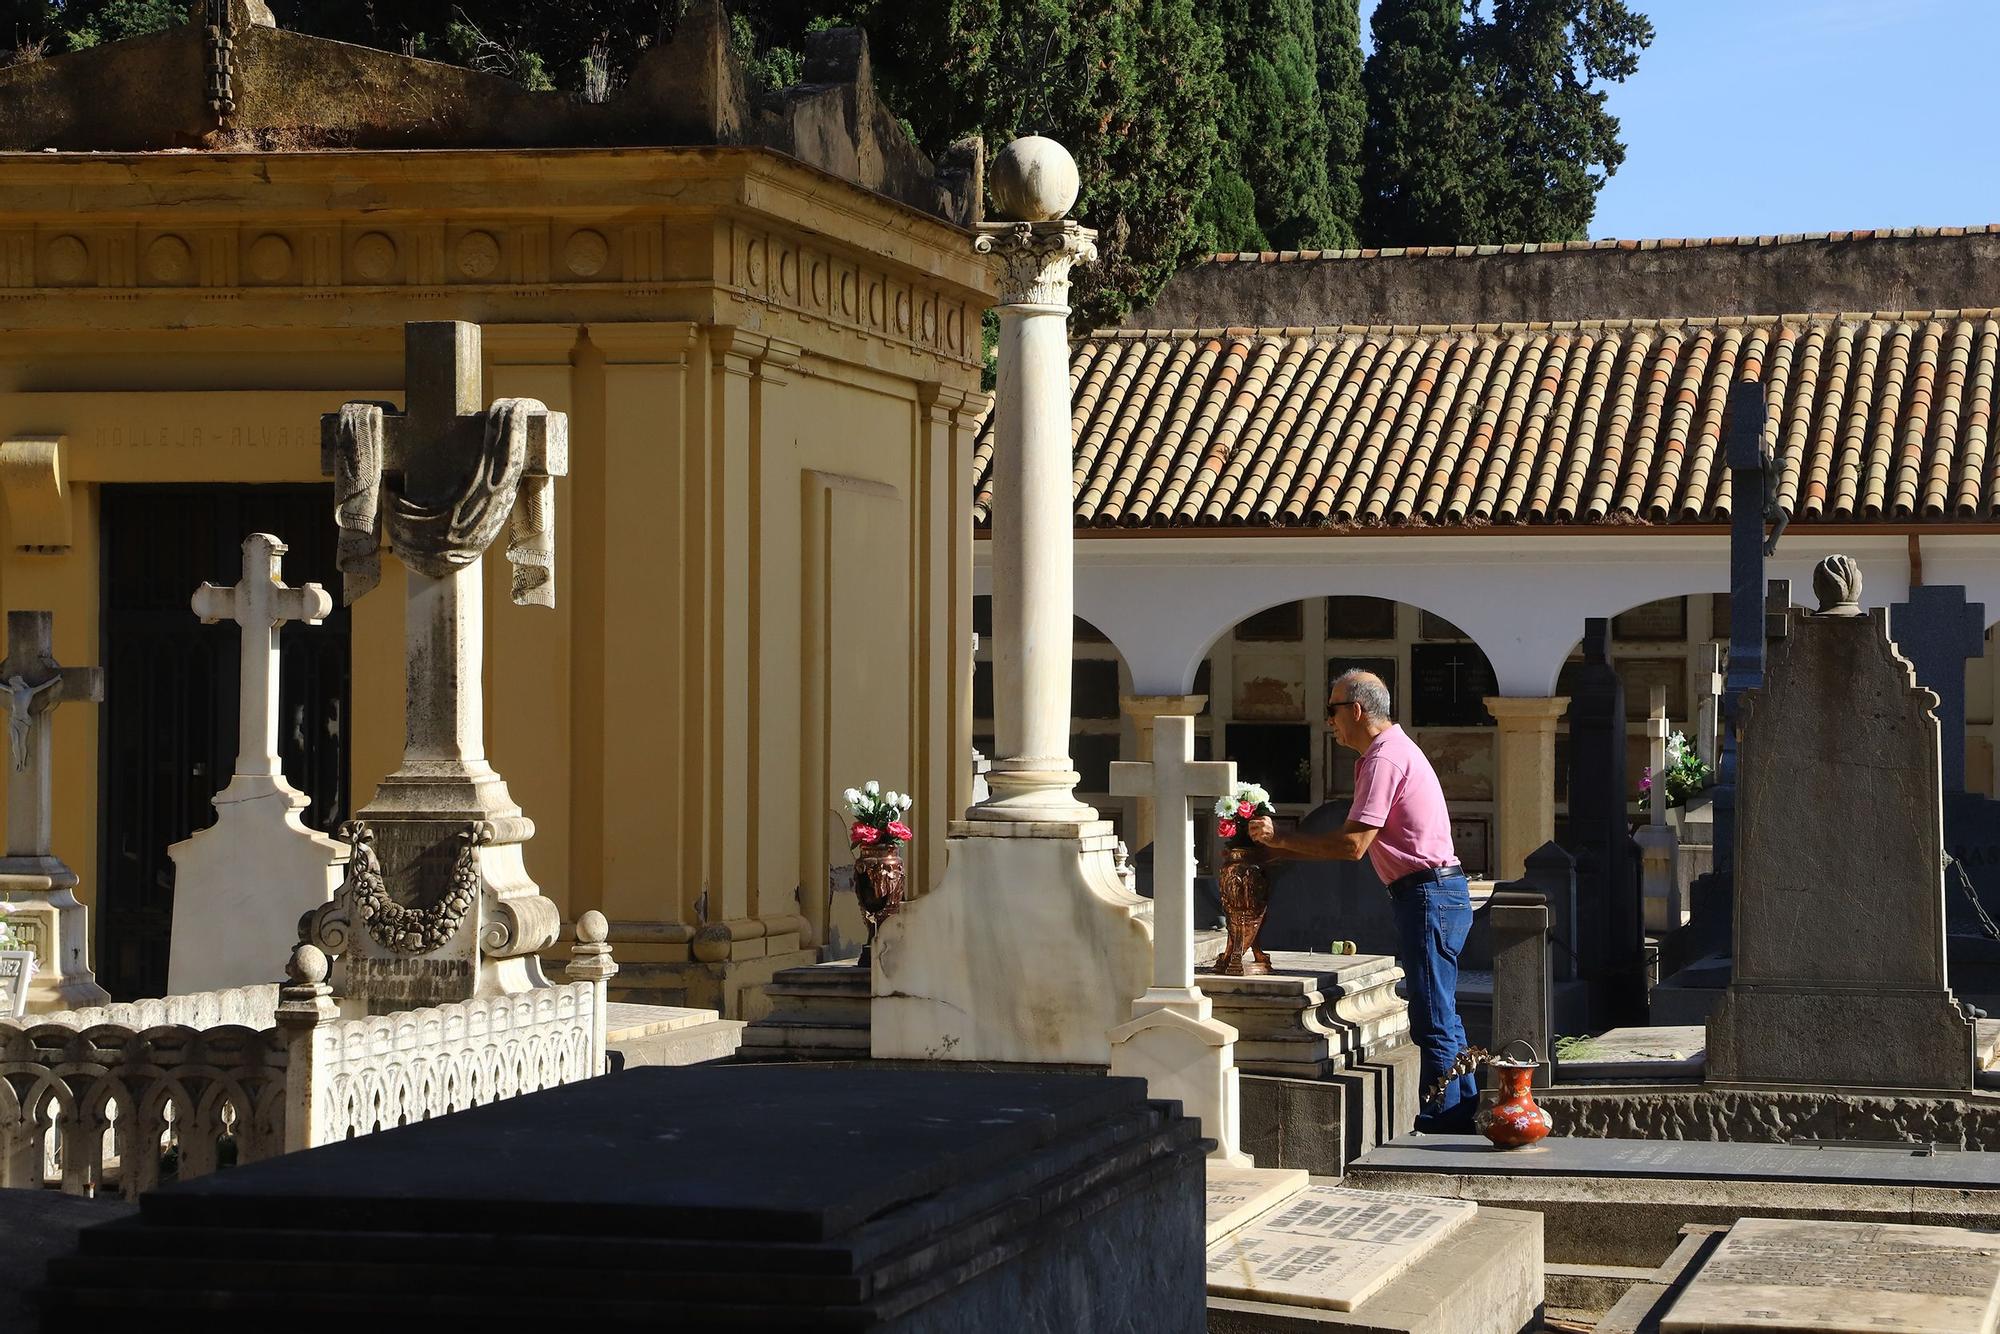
(861, 835)
(1226, 828)
(900, 831)
(1246, 809)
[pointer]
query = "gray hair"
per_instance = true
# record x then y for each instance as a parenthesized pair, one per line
(1367, 690)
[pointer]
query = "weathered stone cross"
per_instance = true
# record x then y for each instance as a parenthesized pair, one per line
(35, 684)
(260, 603)
(448, 492)
(1172, 778)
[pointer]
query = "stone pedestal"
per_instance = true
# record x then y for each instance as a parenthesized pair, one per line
(1314, 1014)
(1030, 950)
(1525, 767)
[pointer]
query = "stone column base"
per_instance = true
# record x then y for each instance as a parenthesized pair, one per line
(1030, 950)
(1660, 848)
(51, 922)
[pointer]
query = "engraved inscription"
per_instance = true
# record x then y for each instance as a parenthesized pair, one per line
(1332, 1247)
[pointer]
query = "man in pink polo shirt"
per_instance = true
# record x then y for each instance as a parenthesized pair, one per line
(1399, 822)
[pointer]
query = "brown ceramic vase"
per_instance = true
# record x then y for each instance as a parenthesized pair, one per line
(1514, 1121)
(1246, 895)
(878, 887)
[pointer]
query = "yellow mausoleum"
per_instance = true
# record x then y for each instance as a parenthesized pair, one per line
(771, 370)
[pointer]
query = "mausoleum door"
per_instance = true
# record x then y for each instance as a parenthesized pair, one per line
(168, 733)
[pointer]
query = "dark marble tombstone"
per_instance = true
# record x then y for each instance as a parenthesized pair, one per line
(1939, 632)
(762, 1197)
(1611, 930)
(1315, 903)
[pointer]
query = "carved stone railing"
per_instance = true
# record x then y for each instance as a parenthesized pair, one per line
(92, 1100)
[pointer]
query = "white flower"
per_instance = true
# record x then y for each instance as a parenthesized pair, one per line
(852, 796)
(907, 802)
(1224, 805)
(1252, 792)
(871, 787)
(890, 798)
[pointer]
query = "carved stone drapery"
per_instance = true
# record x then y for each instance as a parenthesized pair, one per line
(1038, 257)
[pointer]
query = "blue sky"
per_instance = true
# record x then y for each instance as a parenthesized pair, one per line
(1756, 116)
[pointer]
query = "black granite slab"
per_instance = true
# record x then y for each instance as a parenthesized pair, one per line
(1875, 1164)
(671, 1152)
(895, 1201)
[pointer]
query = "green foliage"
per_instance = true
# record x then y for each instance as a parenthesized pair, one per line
(1486, 123)
(1274, 135)
(1344, 106)
(1688, 775)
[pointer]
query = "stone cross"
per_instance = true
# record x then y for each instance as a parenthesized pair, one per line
(1172, 778)
(260, 603)
(1938, 631)
(1711, 684)
(1750, 476)
(441, 842)
(35, 684)
(1656, 738)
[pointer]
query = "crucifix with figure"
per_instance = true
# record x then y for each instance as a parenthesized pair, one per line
(241, 884)
(32, 877)
(1173, 1041)
(438, 904)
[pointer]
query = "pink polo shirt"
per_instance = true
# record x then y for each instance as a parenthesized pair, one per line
(1396, 792)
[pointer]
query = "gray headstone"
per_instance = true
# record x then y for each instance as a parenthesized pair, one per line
(1611, 930)
(1939, 632)
(1839, 924)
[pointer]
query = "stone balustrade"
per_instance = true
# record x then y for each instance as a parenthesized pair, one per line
(122, 1097)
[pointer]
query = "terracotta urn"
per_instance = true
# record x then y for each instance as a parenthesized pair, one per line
(1246, 895)
(878, 887)
(1514, 1121)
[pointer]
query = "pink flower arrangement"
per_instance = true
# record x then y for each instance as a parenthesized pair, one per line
(877, 816)
(1235, 812)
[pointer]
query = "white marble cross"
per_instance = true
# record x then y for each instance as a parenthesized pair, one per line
(34, 685)
(1712, 684)
(260, 603)
(1172, 778)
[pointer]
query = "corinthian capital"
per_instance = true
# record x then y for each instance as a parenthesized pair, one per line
(1038, 256)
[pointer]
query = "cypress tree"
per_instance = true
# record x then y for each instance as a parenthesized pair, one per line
(1273, 132)
(1344, 106)
(1418, 178)
(1553, 144)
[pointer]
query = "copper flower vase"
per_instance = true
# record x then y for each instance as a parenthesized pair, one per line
(878, 887)
(1514, 1121)
(1246, 895)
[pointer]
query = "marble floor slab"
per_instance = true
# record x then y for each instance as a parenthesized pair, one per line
(1817, 1277)
(1236, 1195)
(1331, 1247)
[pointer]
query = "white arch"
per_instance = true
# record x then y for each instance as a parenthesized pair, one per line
(1521, 596)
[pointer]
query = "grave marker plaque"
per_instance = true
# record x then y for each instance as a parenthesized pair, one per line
(1449, 684)
(1843, 1278)
(1332, 1247)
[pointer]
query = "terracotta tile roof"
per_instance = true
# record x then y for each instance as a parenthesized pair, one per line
(1873, 417)
(1608, 243)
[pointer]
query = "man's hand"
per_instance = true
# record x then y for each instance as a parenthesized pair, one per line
(1263, 831)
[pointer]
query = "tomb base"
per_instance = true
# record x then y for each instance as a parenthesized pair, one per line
(1031, 950)
(1313, 1014)
(48, 919)
(1812, 1034)
(1184, 1054)
(241, 885)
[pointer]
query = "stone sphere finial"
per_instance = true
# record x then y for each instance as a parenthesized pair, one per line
(591, 928)
(1034, 180)
(307, 966)
(1837, 585)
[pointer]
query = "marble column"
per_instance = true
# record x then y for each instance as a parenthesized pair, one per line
(1033, 544)
(1145, 711)
(1525, 767)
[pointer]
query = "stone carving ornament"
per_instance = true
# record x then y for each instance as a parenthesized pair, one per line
(436, 540)
(395, 926)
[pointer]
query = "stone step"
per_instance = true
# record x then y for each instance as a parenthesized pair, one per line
(716, 1040)
(1579, 1292)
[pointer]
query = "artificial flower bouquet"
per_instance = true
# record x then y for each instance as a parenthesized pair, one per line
(1235, 812)
(1687, 775)
(876, 816)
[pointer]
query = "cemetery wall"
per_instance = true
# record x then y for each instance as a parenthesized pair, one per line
(772, 379)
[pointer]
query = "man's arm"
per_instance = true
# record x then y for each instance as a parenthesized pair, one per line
(1350, 844)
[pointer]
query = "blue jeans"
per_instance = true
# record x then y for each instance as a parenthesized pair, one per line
(1433, 919)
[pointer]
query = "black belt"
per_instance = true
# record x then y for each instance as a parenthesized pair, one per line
(1428, 875)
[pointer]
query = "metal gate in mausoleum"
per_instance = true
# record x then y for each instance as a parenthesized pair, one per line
(167, 736)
